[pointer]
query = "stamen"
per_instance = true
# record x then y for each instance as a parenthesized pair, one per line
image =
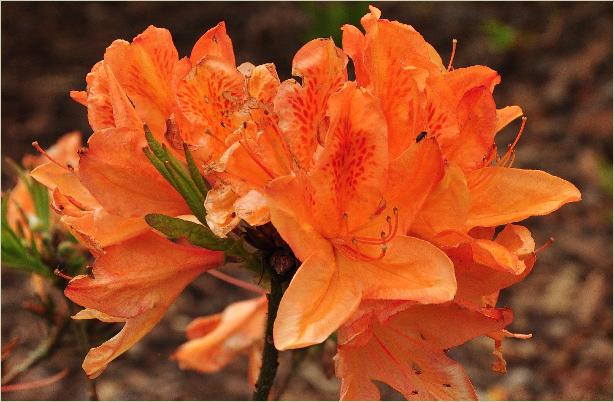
(358, 255)
(454, 42)
(44, 153)
(546, 245)
(61, 274)
(392, 230)
(510, 148)
(236, 282)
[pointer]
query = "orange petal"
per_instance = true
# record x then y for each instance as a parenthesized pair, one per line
(144, 69)
(139, 274)
(446, 207)
(354, 46)
(350, 175)
(99, 107)
(263, 83)
(236, 330)
(504, 195)
(67, 182)
(79, 97)
(137, 280)
(98, 358)
(415, 369)
(319, 299)
(424, 164)
(412, 269)
(214, 43)
(462, 80)
(507, 115)
(301, 108)
(476, 280)
(405, 352)
(290, 209)
(477, 124)
(115, 171)
(207, 96)
(98, 229)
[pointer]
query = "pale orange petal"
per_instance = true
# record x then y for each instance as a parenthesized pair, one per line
(477, 125)
(504, 195)
(116, 171)
(139, 274)
(319, 299)
(446, 208)
(507, 115)
(239, 327)
(412, 269)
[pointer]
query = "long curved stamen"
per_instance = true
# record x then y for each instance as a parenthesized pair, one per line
(46, 155)
(510, 151)
(356, 254)
(546, 245)
(236, 282)
(454, 42)
(385, 238)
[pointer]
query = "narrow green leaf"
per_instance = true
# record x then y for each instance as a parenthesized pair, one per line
(159, 165)
(195, 233)
(155, 146)
(40, 199)
(194, 172)
(188, 191)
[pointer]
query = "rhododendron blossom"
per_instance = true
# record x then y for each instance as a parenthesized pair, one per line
(376, 211)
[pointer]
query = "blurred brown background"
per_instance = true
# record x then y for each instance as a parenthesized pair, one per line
(556, 62)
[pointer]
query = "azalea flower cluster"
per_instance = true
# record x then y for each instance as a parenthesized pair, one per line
(386, 191)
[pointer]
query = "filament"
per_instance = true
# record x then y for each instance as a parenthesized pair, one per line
(236, 282)
(454, 42)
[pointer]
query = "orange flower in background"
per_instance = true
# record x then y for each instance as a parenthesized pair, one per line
(20, 208)
(334, 218)
(216, 340)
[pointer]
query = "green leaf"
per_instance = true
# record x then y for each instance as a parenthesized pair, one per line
(16, 255)
(189, 193)
(176, 174)
(194, 172)
(40, 199)
(195, 233)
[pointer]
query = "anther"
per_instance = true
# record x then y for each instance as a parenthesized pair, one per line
(546, 245)
(454, 42)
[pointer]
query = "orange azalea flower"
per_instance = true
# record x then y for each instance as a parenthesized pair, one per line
(126, 286)
(216, 340)
(338, 221)
(20, 208)
(404, 344)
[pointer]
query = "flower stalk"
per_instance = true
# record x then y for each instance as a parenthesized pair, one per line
(268, 370)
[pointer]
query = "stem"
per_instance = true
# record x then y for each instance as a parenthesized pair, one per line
(80, 332)
(269, 366)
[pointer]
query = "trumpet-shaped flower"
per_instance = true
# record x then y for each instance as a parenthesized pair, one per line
(336, 220)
